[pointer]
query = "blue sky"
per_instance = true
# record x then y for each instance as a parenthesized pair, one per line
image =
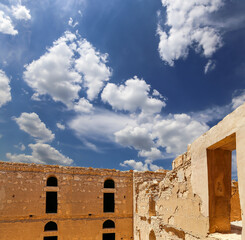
(116, 84)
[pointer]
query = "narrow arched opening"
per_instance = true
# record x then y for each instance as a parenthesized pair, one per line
(52, 182)
(51, 226)
(108, 224)
(109, 183)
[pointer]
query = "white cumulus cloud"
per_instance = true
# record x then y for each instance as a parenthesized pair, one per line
(92, 65)
(83, 106)
(60, 126)
(70, 65)
(31, 124)
(21, 12)
(187, 21)
(133, 95)
(137, 137)
(5, 94)
(153, 154)
(6, 25)
(138, 166)
(177, 131)
(52, 73)
(41, 154)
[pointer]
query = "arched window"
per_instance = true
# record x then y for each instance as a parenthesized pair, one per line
(52, 182)
(108, 224)
(51, 226)
(109, 183)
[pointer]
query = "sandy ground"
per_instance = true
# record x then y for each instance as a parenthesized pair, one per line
(231, 236)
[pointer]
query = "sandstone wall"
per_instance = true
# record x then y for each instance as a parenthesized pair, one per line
(80, 202)
(235, 203)
(165, 206)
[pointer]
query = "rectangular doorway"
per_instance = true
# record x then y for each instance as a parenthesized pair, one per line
(219, 160)
(51, 238)
(108, 236)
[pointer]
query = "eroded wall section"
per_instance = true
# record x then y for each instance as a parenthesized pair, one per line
(165, 206)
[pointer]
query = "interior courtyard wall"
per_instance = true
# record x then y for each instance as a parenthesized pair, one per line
(80, 202)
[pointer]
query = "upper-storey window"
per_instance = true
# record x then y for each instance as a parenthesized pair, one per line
(51, 202)
(109, 183)
(52, 182)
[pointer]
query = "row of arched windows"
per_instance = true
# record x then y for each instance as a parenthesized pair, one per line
(53, 182)
(52, 226)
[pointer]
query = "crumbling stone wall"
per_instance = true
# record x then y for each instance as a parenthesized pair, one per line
(235, 214)
(177, 212)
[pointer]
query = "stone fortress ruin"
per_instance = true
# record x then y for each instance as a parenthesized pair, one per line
(195, 200)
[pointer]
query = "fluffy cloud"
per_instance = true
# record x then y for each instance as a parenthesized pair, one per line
(60, 126)
(153, 154)
(137, 137)
(70, 64)
(6, 25)
(31, 124)
(176, 131)
(5, 95)
(133, 95)
(187, 22)
(138, 166)
(21, 12)
(210, 66)
(52, 73)
(101, 125)
(172, 132)
(41, 154)
(92, 65)
(83, 106)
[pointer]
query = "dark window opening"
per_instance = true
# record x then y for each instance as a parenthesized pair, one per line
(52, 182)
(51, 238)
(109, 202)
(51, 226)
(108, 224)
(51, 202)
(108, 236)
(109, 183)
